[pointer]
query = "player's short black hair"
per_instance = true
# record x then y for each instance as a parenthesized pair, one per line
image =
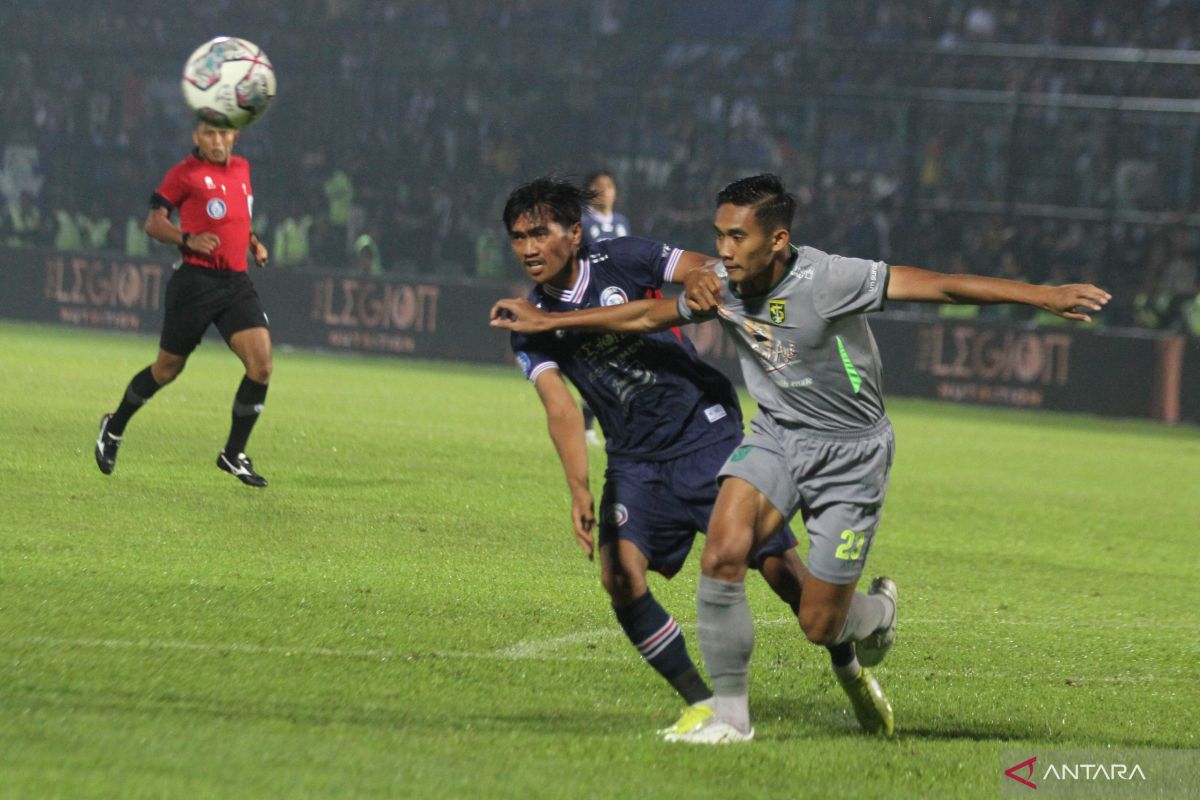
(774, 207)
(556, 198)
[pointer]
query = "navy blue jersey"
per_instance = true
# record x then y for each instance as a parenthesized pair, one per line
(601, 228)
(654, 397)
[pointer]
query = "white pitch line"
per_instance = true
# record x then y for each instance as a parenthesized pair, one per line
(535, 649)
(303, 651)
(532, 648)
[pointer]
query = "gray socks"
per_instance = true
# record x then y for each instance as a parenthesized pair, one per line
(726, 634)
(868, 613)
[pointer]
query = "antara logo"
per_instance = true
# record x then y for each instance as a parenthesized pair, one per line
(1026, 766)
(1064, 772)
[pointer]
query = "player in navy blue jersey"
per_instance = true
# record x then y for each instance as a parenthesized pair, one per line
(669, 421)
(600, 222)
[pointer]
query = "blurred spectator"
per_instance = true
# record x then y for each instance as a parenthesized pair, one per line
(367, 260)
(137, 243)
(908, 130)
(24, 225)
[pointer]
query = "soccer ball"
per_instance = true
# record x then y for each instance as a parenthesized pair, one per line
(228, 82)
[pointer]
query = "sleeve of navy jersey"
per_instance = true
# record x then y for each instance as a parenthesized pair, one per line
(531, 351)
(655, 399)
(648, 263)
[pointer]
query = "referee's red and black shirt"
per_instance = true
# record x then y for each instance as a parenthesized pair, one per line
(214, 198)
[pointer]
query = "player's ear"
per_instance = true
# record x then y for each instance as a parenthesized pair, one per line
(576, 232)
(780, 240)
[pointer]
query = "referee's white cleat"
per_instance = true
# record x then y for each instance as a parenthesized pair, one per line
(712, 731)
(872, 649)
(106, 447)
(241, 468)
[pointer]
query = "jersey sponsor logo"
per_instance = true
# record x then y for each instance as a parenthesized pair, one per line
(208, 183)
(714, 413)
(216, 208)
(613, 296)
(741, 453)
(616, 514)
(778, 311)
(525, 364)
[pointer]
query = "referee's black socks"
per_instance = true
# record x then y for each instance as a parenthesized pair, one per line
(140, 389)
(247, 405)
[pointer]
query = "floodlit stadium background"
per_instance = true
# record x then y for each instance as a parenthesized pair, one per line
(404, 613)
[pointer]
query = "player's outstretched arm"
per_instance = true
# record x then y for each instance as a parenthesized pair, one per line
(640, 316)
(565, 424)
(1072, 300)
(690, 261)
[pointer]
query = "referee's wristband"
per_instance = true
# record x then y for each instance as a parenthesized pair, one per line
(183, 240)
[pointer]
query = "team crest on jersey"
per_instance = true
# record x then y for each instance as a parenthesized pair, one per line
(613, 296)
(616, 514)
(778, 310)
(216, 208)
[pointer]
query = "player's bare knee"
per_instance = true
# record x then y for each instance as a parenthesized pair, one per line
(260, 372)
(165, 371)
(621, 587)
(722, 560)
(819, 625)
(731, 571)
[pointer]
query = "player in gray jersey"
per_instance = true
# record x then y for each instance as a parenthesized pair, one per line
(821, 445)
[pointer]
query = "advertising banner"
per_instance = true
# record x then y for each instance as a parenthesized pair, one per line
(386, 315)
(1069, 368)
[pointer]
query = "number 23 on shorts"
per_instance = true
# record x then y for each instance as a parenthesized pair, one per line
(852, 545)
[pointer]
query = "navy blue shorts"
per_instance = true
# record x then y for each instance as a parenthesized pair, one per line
(661, 505)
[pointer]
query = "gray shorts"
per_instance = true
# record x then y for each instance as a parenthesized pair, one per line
(836, 479)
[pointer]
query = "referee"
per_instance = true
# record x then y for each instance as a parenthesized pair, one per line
(211, 191)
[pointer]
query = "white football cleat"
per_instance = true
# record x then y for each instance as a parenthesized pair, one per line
(712, 731)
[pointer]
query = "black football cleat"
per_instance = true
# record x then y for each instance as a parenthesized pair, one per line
(241, 468)
(106, 447)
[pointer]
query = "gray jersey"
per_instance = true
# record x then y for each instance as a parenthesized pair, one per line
(807, 354)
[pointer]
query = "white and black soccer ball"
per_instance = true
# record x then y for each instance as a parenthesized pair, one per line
(228, 82)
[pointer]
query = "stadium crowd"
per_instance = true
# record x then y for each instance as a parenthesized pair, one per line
(906, 130)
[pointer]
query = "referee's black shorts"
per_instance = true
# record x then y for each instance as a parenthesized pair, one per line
(198, 297)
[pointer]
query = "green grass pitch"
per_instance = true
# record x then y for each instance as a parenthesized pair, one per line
(404, 613)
